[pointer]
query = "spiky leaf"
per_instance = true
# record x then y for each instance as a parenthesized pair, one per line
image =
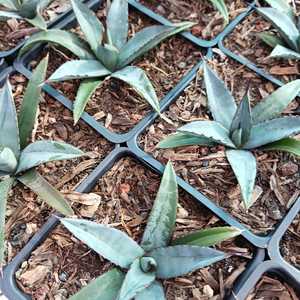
(4, 15)
(208, 237)
(108, 55)
(135, 281)
(9, 136)
(161, 222)
(241, 124)
(243, 164)
(220, 5)
(182, 139)
(89, 24)
(181, 259)
(283, 52)
(282, 6)
(208, 129)
(105, 287)
(29, 106)
(79, 69)
(86, 90)
(289, 145)
(111, 243)
(283, 24)
(146, 39)
(46, 192)
(138, 79)
(272, 131)
(270, 39)
(38, 22)
(154, 291)
(11, 4)
(45, 151)
(60, 37)
(117, 23)
(220, 101)
(273, 105)
(5, 187)
(8, 161)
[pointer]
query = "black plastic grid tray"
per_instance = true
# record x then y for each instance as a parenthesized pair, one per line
(268, 258)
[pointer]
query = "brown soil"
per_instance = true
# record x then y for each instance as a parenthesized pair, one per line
(26, 213)
(271, 288)
(209, 23)
(13, 31)
(290, 244)
(115, 103)
(207, 169)
(244, 40)
(64, 264)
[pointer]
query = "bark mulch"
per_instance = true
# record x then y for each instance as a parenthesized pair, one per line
(208, 21)
(206, 168)
(62, 264)
(26, 213)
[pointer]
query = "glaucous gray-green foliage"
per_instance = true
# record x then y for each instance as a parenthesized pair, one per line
(222, 8)
(156, 258)
(286, 42)
(105, 53)
(30, 10)
(18, 158)
(239, 129)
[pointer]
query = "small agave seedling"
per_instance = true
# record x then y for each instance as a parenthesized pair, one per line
(30, 10)
(156, 258)
(101, 59)
(222, 8)
(18, 159)
(286, 43)
(239, 130)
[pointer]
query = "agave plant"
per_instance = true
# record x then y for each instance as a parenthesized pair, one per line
(286, 43)
(222, 8)
(240, 130)
(102, 58)
(156, 258)
(30, 10)
(18, 158)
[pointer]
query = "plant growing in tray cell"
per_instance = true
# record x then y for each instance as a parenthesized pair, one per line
(240, 130)
(18, 158)
(30, 10)
(286, 42)
(157, 257)
(106, 53)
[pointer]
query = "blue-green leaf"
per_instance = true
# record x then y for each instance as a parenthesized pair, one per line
(289, 145)
(111, 243)
(38, 22)
(270, 39)
(8, 161)
(272, 131)
(46, 192)
(108, 55)
(220, 101)
(138, 79)
(243, 164)
(161, 222)
(45, 151)
(86, 90)
(283, 52)
(180, 139)
(5, 187)
(117, 23)
(4, 15)
(282, 6)
(11, 4)
(135, 281)
(182, 259)
(208, 237)
(146, 39)
(105, 287)
(89, 24)
(273, 105)
(9, 136)
(220, 5)
(60, 37)
(154, 291)
(79, 69)
(30, 103)
(209, 129)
